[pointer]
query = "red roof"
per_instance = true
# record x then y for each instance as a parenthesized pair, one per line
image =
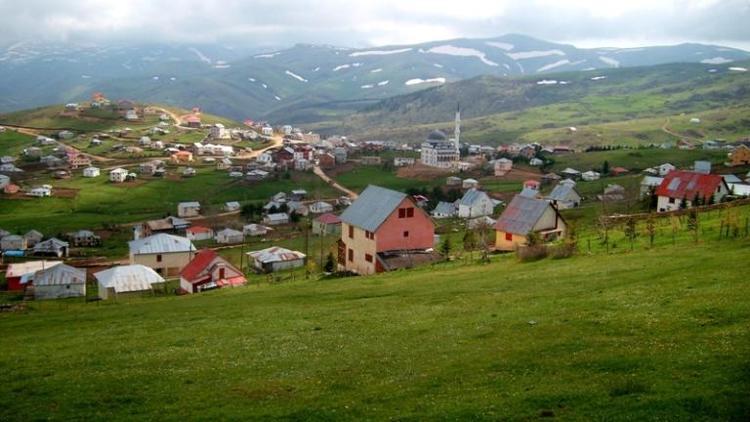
(202, 259)
(681, 184)
(198, 229)
(619, 170)
(329, 218)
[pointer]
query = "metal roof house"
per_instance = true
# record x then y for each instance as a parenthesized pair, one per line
(52, 247)
(526, 215)
(564, 196)
(18, 274)
(384, 229)
(209, 271)
(165, 253)
(276, 259)
(228, 236)
(444, 210)
(59, 281)
(126, 279)
(475, 203)
(188, 209)
(685, 186)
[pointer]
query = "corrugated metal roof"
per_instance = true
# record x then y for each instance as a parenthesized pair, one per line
(275, 254)
(60, 275)
(50, 245)
(191, 204)
(372, 207)
(29, 267)
(128, 278)
(562, 192)
(529, 193)
(521, 215)
(472, 196)
(680, 184)
(445, 208)
(160, 243)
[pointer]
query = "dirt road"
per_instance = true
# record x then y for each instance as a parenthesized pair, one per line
(319, 172)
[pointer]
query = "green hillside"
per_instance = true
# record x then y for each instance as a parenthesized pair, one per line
(586, 338)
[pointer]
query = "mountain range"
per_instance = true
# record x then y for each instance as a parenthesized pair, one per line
(305, 83)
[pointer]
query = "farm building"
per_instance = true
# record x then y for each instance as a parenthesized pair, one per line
(664, 169)
(40, 192)
(571, 173)
(255, 230)
(126, 279)
(502, 166)
(276, 259)
(276, 219)
(649, 184)
(326, 224)
(209, 271)
(189, 172)
(188, 209)
(199, 233)
(444, 210)
(33, 237)
(13, 242)
(380, 229)
(480, 223)
(228, 236)
(524, 216)
(469, 183)
(564, 196)
(19, 274)
(84, 238)
(475, 203)
(682, 186)
(91, 172)
(118, 175)
(58, 282)
(740, 156)
(52, 247)
(165, 253)
(590, 176)
(321, 207)
(232, 206)
(612, 193)
(182, 157)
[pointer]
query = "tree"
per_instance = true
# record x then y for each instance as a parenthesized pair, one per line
(683, 203)
(605, 168)
(692, 223)
(446, 246)
(651, 229)
(294, 217)
(330, 264)
(630, 231)
(470, 243)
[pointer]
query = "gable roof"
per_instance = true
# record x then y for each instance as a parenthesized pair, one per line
(562, 192)
(372, 208)
(521, 215)
(28, 267)
(681, 184)
(445, 208)
(59, 275)
(201, 260)
(51, 244)
(275, 254)
(160, 243)
(329, 218)
(128, 278)
(472, 196)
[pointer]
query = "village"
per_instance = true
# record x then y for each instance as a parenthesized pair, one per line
(331, 215)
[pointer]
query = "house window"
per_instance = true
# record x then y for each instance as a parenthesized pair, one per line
(368, 257)
(509, 237)
(406, 233)
(158, 258)
(671, 200)
(370, 235)
(221, 273)
(351, 232)
(402, 213)
(409, 212)
(351, 255)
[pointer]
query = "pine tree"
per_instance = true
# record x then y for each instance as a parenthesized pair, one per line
(605, 168)
(446, 247)
(330, 264)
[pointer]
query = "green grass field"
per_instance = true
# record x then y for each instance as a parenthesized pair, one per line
(585, 338)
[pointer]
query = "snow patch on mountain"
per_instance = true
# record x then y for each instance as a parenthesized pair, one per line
(295, 76)
(438, 65)
(462, 52)
(553, 65)
(277, 97)
(200, 55)
(534, 54)
(547, 82)
(368, 86)
(598, 78)
(340, 67)
(379, 52)
(417, 81)
(501, 45)
(383, 83)
(610, 61)
(267, 56)
(738, 69)
(716, 60)
(376, 70)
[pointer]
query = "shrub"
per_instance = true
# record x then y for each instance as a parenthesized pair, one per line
(563, 250)
(531, 253)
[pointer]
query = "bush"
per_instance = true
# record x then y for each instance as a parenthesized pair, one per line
(563, 250)
(531, 253)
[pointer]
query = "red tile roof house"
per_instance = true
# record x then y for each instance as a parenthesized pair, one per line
(679, 185)
(384, 230)
(209, 271)
(199, 233)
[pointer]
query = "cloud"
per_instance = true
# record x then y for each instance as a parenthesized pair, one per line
(364, 23)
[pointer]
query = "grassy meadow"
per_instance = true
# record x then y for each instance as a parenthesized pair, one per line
(585, 338)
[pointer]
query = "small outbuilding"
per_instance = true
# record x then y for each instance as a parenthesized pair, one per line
(209, 271)
(276, 259)
(60, 281)
(126, 279)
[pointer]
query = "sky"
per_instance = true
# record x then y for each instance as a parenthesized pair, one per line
(365, 23)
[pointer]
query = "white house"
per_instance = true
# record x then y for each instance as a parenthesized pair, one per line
(91, 172)
(59, 281)
(276, 259)
(188, 209)
(536, 162)
(232, 206)
(502, 166)
(665, 168)
(475, 203)
(125, 279)
(590, 176)
(199, 233)
(40, 192)
(218, 131)
(118, 175)
(403, 161)
(321, 207)
(228, 235)
(255, 230)
(683, 187)
(564, 196)
(470, 183)
(650, 183)
(267, 131)
(276, 219)
(444, 210)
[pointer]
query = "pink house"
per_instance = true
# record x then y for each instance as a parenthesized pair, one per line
(384, 230)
